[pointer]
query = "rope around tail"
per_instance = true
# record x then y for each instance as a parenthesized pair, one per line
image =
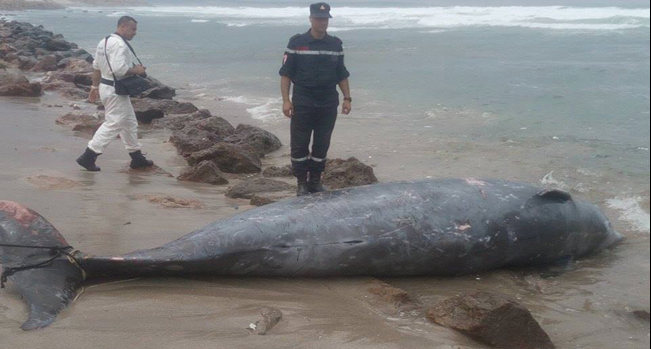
(56, 252)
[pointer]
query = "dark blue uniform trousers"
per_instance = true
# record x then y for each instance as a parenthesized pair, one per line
(305, 122)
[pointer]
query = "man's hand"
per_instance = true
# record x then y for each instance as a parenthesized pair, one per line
(288, 109)
(138, 70)
(94, 95)
(346, 107)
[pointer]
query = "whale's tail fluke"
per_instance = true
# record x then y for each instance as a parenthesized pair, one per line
(39, 263)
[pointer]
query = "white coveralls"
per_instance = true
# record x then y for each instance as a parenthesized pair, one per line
(120, 119)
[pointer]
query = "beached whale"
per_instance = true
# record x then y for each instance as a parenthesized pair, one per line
(432, 227)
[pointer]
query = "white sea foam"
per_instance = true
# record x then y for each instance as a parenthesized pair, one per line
(632, 212)
(200, 21)
(269, 111)
(425, 18)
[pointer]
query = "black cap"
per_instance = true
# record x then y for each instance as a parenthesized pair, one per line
(320, 10)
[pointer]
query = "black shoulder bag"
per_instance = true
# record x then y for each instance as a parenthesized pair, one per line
(129, 86)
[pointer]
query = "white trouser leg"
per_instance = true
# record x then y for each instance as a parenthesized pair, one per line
(120, 119)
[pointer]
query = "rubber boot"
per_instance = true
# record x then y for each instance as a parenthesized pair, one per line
(87, 160)
(302, 185)
(314, 185)
(139, 161)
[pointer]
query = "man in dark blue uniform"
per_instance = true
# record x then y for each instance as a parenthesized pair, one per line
(314, 63)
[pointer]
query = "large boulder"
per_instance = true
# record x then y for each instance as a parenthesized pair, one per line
(260, 141)
(159, 91)
(190, 140)
(248, 189)
(48, 63)
(75, 65)
(204, 172)
(149, 109)
(215, 125)
(73, 93)
(492, 319)
(178, 122)
(14, 84)
(341, 173)
(6, 49)
(229, 158)
(27, 62)
(58, 45)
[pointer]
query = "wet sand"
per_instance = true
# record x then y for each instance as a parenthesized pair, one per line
(588, 306)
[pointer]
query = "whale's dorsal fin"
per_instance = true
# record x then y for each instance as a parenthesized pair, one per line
(555, 195)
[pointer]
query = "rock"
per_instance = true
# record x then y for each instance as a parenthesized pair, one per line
(248, 189)
(75, 65)
(47, 182)
(347, 173)
(46, 64)
(178, 122)
(215, 125)
(390, 294)
(58, 45)
(148, 171)
(81, 122)
(6, 49)
(204, 172)
(190, 140)
(269, 198)
(149, 109)
(642, 315)
(170, 201)
(492, 319)
(228, 157)
(273, 171)
(27, 63)
(160, 91)
(260, 141)
(270, 318)
(11, 57)
(16, 85)
(73, 94)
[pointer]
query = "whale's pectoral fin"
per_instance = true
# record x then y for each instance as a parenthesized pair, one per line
(555, 195)
(38, 261)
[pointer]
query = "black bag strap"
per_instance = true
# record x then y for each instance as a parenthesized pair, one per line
(109, 61)
(130, 48)
(115, 79)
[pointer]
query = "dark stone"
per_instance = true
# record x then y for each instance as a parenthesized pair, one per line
(73, 94)
(263, 199)
(149, 109)
(46, 64)
(159, 91)
(59, 45)
(204, 172)
(229, 158)
(341, 173)
(492, 319)
(27, 63)
(260, 141)
(246, 190)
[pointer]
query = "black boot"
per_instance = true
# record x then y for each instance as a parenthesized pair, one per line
(87, 160)
(302, 185)
(314, 185)
(139, 161)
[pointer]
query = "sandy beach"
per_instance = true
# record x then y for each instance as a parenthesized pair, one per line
(591, 305)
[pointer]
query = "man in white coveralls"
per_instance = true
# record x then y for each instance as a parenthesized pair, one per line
(120, 118)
